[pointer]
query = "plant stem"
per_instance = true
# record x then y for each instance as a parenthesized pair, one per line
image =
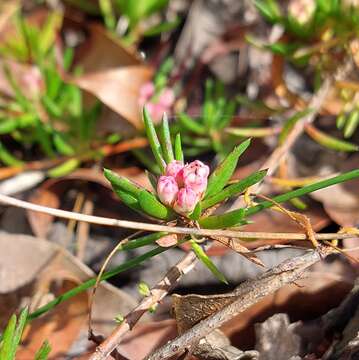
(91, 282)
(303, 191)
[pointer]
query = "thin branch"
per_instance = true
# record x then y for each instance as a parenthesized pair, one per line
(248, 294)
(8, 200)
(157, 293)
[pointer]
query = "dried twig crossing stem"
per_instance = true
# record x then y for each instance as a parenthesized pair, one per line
(249, 293)
(8, 200)
(157, 294)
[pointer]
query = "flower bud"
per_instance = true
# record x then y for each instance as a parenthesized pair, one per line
(167, 189)
(186, 201)
(195, 176)
(166, 98)
(147, 90)
(173, 168)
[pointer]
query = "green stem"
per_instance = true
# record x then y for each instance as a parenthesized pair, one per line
(91, 282)
(303, 191)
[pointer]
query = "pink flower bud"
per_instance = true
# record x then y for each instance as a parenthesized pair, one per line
(167, 189)
(147, 90)
(186, 200)
(173, 168)
(195, 176)
(167, 98)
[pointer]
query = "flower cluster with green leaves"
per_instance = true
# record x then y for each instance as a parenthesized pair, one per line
(185, 190)
(188, 194)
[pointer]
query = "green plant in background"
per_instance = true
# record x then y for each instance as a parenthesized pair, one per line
(11, 337)
(206, 133)
(52, 116)
(317, 34)
(30, 42)
(133, 17)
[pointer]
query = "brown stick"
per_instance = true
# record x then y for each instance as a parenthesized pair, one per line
(249, 293)
(8, 200)
(157, 294)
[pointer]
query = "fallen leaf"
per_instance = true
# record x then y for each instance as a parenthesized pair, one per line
(118, 89)
(40, 265)
(100, 42)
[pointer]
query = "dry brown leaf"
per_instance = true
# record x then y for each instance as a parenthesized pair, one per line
(191, 309)
(49, 263)
(60, 328)
(118, 89)
(102, 51)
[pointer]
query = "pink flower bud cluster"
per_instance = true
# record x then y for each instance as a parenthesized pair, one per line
(156, 104)
(183, 186)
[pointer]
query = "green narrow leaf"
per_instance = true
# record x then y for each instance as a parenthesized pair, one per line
(178, 148)
(151, 206)
(19, 96)
(44, 137)
(206, 260)
(234, 189)
(229, 219)
(8, 126)
(328, 141)
(128, 199)
(153, 140)
(153, 180)
(7, 345)
(68, 58)
(196, 212)
(166, 140)
(64, 169)
(108, 14)
(269, 9)
(51, 106)
(191, 125)
(43, 352)
(351, 175)
(351, 124)
(19, 329)
(224, 171)
(341, 119)
(132, 263)
(121, 183)
(289, 124)
(49, 31)
(162, 27)
(142, 241)
(251, 131)
(7, 158)
(62, 146)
